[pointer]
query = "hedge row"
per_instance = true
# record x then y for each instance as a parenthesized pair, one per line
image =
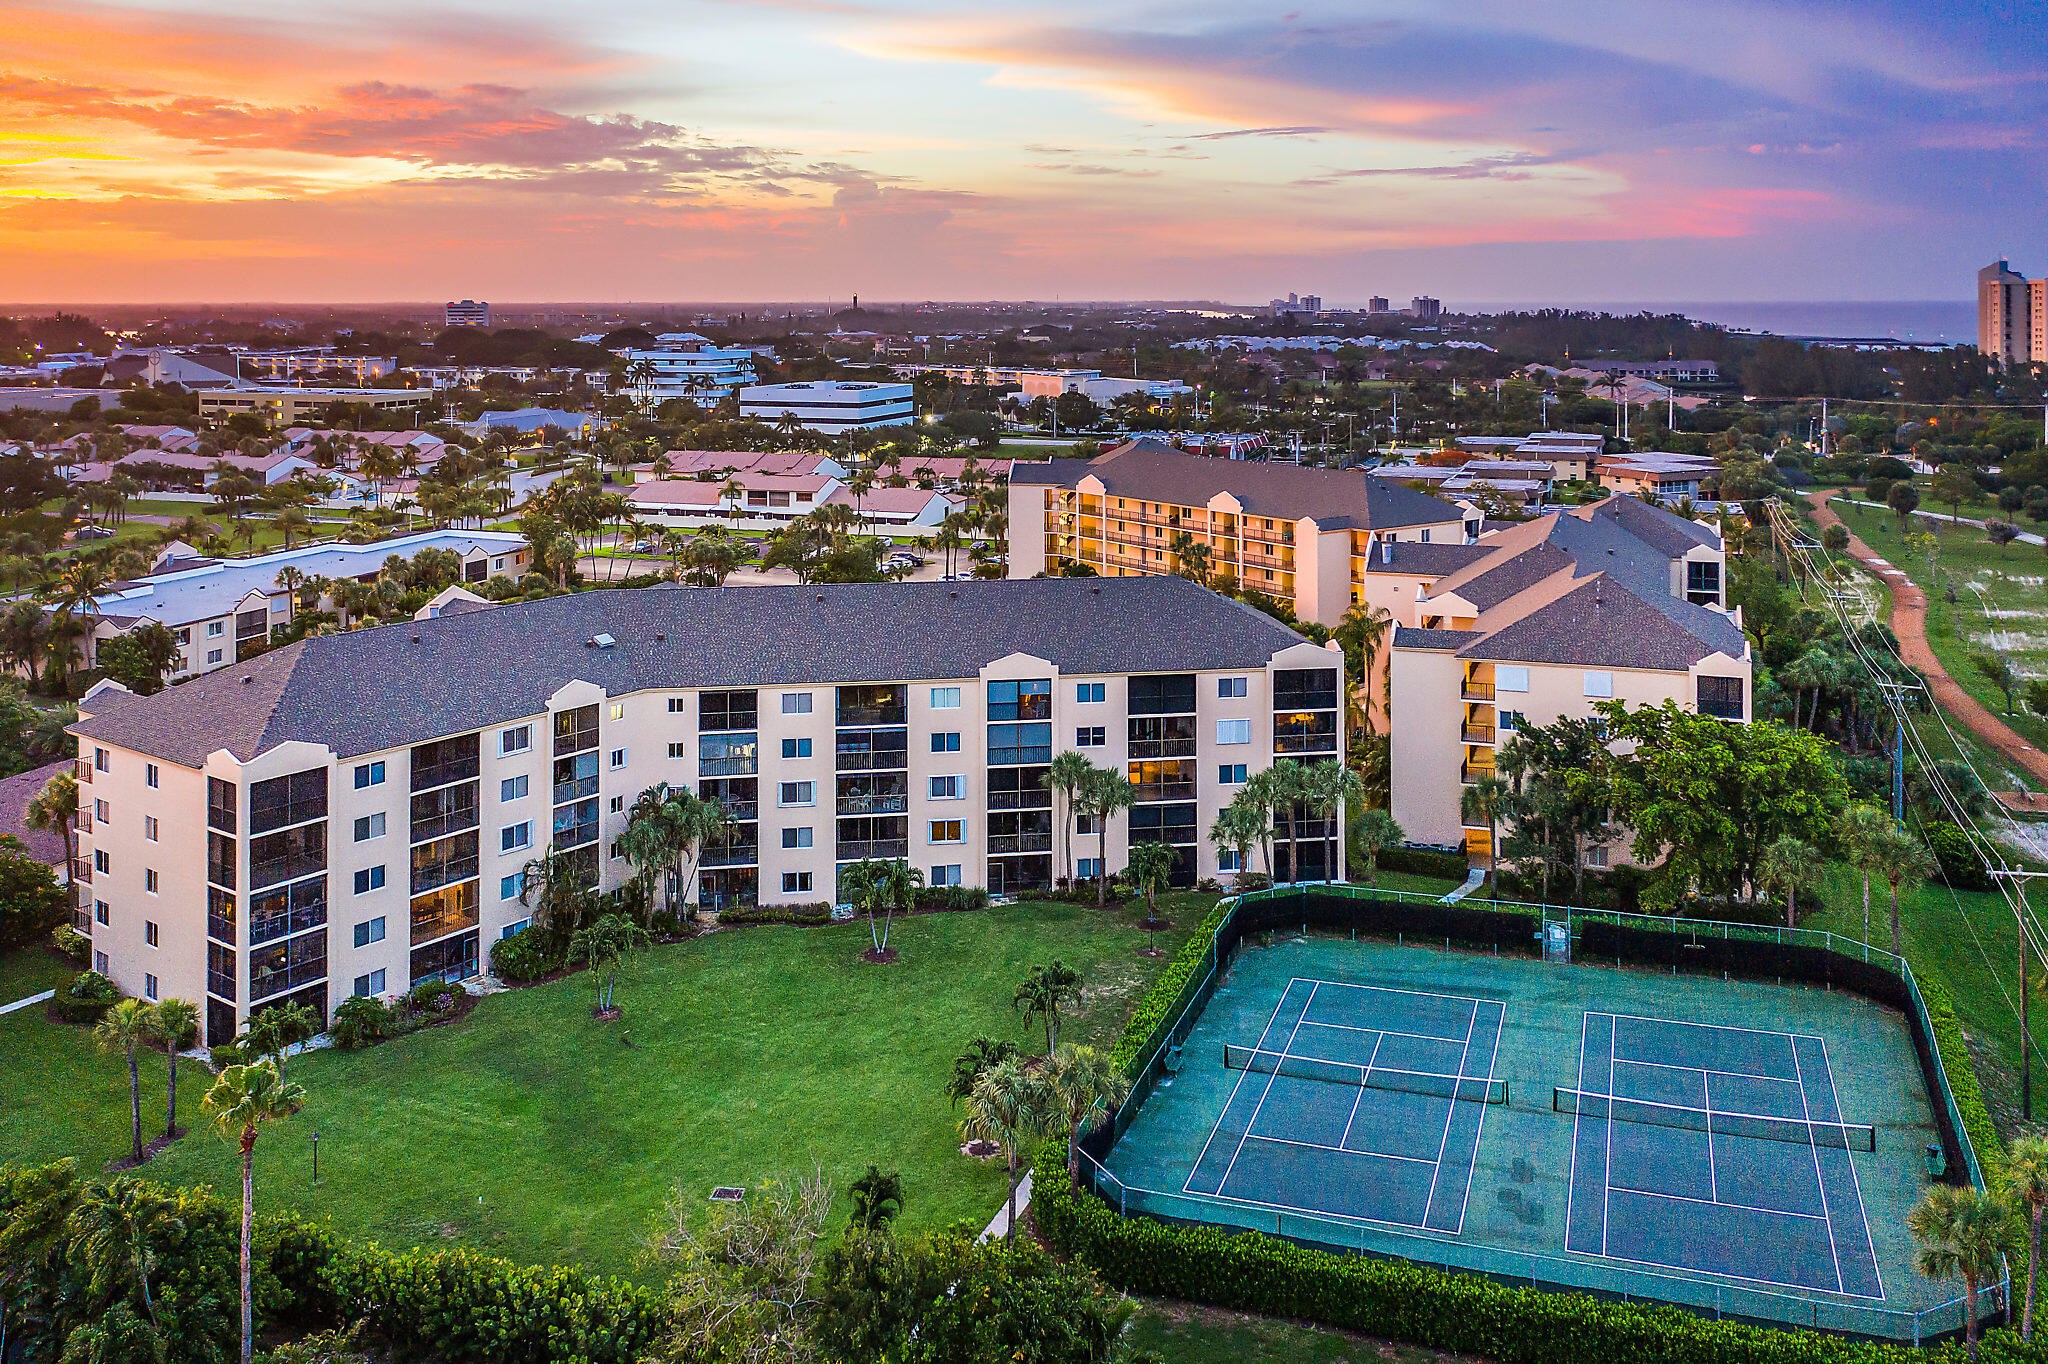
(1165, 991)
(1962, 1080)
(1396, 1300)
(1444, 866)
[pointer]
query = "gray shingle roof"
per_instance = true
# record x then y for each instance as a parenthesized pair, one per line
(1415, 556)
(369, 690)
(1338, 499)
(1412, 637)
(1603, 624)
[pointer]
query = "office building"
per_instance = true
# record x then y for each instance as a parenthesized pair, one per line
(468, 313)
(292, 406)
(351, 814)
(829, 405)
(2012, 316)
(1299, 535)
(686, 365)
(1033, 382)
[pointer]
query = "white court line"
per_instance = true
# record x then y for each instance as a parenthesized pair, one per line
(1357, 1099)
(1718, 1203)
(1450, 1113)
(1713, 1176)
(1705, 1070)
(1876, 1270)
(1339, 1150)
(1607, 1165)
(1717, 1027)
(1384, 1032)
(1267, 1093)
(1473, 1167)
(1571, 1186)
(1820, 1181)
(1278, 1005)
(1689, 1273)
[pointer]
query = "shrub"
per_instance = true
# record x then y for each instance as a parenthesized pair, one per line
(524, 956)
(1962, 862)
(226, 1054)
(818, 912)
(70, 944)
(1962, 1080)
(1877, 489)
(86, 997)
(950, 898)
(1445, 865)
(431, 997)
(359, 1021)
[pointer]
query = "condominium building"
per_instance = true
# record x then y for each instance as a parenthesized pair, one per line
(468, 313)
(1615, 601)
(1302, 536)
(830, 405)
(351, 814)
(2012, 316)
(1039, 382)
(291, 406)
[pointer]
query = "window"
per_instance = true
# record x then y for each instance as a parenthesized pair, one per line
(618, 710)
(367, 880)
(1021, 700)
(184, 638)
(100, 963)
(149, 880)
(213, 655)
(148, 986)
(1090, 736)
(945, 698)
(796, 793)
(796, 838)
(516, 836)
(618, 758)
(945, 788)
(370, 930)
(679, 750)
(215, 629)
(150, 828)
(796, 703)
(1510, 679)
(1512, 720)
(1231, 774)
(149, 932)
(1084, 824)
(1703, 583)
(513, 886)
(1227, 860)
(1088, 868)
(947, 831)
(1090, 693)
(796, 748)
(513, 788)
(101, 863)
(1227, 687)
(795, 882)
(99, 811)
(100, 759)
(369, 827)
(1721, 696)
(149, 774)
(100, 912)
(948, 875)
(372, 984)
(517, 739)
(721, 710)
(618, 806)
(946, 743)
(1599, 684)
(1596, 857)
(509, 929)
(369, 774)
(1233, 731)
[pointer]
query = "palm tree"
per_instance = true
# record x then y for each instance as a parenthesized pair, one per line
(1149, 869)
(1238, 828)
(1105, 793)
(1042, 993)
(1859, 829)
(177, 1027)
(54, 810)
(1332, 788)
(877, 1198)
(1481, 803)
(981, 1053)
(2026, 1180)
(1065, 777)
(126, 1028)
(1079, 1081)
(240, 1102)
(1009, 1106)
(1790, 865)
(1899, 857)
(890, 886)
(606, 944)
(290, 522)
(1961, 1233)
(114, 1231)
(1376, 832)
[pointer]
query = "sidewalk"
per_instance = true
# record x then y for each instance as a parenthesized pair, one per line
(999, 1225)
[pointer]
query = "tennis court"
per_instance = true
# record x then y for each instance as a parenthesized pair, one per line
(1358, 1102)
(1720, 1150)
(1746, 1148)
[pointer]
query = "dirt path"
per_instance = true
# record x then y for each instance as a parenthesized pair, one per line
(1909, 622)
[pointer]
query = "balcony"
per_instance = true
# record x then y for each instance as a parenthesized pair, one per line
(1477, 734)
(1304, 743)
(1019, 843)
(882, 849)
(1151, 792)
(220, 985)
(290, 978)
(1469, 773)
(731, 855)
(1477, 691)
(1040, 799)
(874, 803)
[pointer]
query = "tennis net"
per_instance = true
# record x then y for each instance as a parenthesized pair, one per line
(1471, 1088)
(1799, 1131)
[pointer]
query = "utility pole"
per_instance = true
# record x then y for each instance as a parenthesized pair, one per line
(2019, 880)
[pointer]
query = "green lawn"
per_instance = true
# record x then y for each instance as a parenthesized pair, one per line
(531, 1131)
(30, 971)
(1186, 1334)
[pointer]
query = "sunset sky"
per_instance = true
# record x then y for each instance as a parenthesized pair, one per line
(367, 150)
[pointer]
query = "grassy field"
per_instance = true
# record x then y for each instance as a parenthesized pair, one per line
(1186, 1334)
(531, 1131)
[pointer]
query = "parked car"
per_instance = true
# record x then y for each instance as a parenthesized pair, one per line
(93, 533)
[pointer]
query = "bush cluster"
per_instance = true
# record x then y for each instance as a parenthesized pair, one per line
(363, 1020)
(1962, 862)
(1445, 866)
(86, 997)
(1962, 1080)
(817, 912)
(526, 955)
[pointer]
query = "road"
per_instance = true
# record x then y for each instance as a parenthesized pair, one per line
(1909, 623)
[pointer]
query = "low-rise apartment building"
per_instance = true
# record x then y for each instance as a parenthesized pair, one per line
(290, 406)
(1300, 535)
(1616, 601)
(351, 814)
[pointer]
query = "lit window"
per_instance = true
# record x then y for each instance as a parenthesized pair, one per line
(618, 711)
(946, 831)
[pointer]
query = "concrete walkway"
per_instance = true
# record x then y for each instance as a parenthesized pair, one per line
(24, 1003)
(999, 1225)
(1474, 879)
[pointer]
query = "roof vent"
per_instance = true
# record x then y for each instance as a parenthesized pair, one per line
(602, 641)
(821, 596)
(247, 680)
(659, 637)
(415, 639)
(954, 595)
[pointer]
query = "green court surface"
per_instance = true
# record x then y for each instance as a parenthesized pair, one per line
(1742, 1148)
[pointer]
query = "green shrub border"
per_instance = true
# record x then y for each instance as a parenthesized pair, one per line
(1467, 1313)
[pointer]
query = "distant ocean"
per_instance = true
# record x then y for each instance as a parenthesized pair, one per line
(1941, 320)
